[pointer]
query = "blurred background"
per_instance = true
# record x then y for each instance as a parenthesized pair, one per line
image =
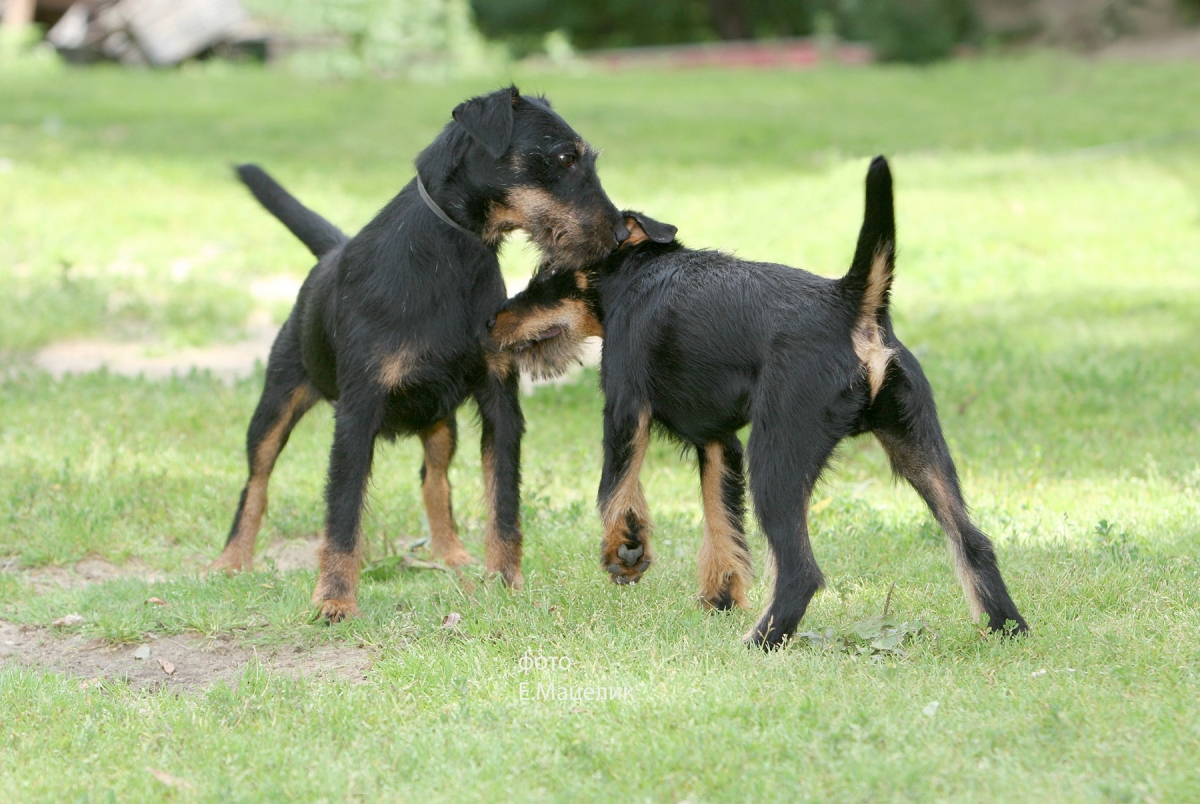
(427, 38)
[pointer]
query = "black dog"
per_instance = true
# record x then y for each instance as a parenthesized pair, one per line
(701, 344)
(391, 325)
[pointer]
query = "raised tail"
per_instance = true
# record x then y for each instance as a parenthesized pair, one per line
(318, 234)
(868, 283)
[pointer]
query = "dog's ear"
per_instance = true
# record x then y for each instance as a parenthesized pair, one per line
(489, 119)
(642, 228)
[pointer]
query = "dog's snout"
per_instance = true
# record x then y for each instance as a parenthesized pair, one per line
(621, 232)
(491, 322)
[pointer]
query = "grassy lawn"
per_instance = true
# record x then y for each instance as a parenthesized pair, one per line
(1050, 288)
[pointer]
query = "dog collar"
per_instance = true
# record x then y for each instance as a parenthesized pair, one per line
(441, 213)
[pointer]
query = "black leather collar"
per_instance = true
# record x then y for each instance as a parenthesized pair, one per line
(441, 213)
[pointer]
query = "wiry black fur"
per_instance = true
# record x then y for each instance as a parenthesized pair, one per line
(391, 324)
(709, 343)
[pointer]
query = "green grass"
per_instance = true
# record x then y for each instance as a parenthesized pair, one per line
(1049, 291)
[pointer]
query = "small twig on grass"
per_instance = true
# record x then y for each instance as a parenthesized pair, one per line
(888, 603)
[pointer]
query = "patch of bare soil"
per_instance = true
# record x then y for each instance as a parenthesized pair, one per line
(187, 662)
(291, 554)
(1179, 46)
(90, 570)
(229, 362)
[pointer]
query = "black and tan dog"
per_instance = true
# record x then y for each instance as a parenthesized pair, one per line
(391, 325)
(700, 344)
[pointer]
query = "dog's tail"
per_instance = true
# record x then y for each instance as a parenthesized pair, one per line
(318, 234)
(867, 285)
(869, 280)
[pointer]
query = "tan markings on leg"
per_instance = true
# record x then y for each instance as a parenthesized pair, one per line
(238, 555)
(396, 366)
(867, 336)
(946, 501)
(337, 582)
(546, 341)
(627, 500)
(443, 535)
(500, 556)
(723, 563)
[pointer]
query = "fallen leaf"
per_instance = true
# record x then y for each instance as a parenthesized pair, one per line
(142, 653)
(451, 619)
(930, 709)
(171, 781)
(167, 667)
(70, 619)
(157, 601)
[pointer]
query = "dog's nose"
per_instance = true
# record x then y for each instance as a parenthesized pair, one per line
(621, 232)
(491, 322)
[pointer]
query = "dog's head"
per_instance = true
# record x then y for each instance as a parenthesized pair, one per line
(544, 326)
(529, 170)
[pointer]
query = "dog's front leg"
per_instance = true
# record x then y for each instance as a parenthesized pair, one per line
(503, 426)
(359, 416)
(724, 559)
(625, 550)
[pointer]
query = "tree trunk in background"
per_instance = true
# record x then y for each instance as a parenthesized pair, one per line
(18, 13)
(731, 18)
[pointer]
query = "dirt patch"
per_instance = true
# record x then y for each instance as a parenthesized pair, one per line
(184, 662)
(229, 362)
(291, 554)
(88, 571)
(1181, 46)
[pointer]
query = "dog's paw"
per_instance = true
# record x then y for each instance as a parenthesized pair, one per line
(627, 563)
(231, 563)
(455, 558)
(334, 611)
(727, 595)
(722, 601)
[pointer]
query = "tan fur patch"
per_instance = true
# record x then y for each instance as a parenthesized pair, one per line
(522, 336)
(566, 236)
(500, 556)
(946, 501)
(337, 582)
(723, 563)
(238, 555)
(499, 364)
(396, 366)
(628, 498)
(636, 233)
(867, 336)
(438, 442)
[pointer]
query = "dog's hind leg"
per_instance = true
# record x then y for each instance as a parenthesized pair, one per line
(439, 442)
(625, 550)
(724, 559)
(904, 418)
(286, 397)
(358, 421)
(502, 424)
(785, 462)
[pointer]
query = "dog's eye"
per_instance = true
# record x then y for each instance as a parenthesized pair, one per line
(566, 159)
